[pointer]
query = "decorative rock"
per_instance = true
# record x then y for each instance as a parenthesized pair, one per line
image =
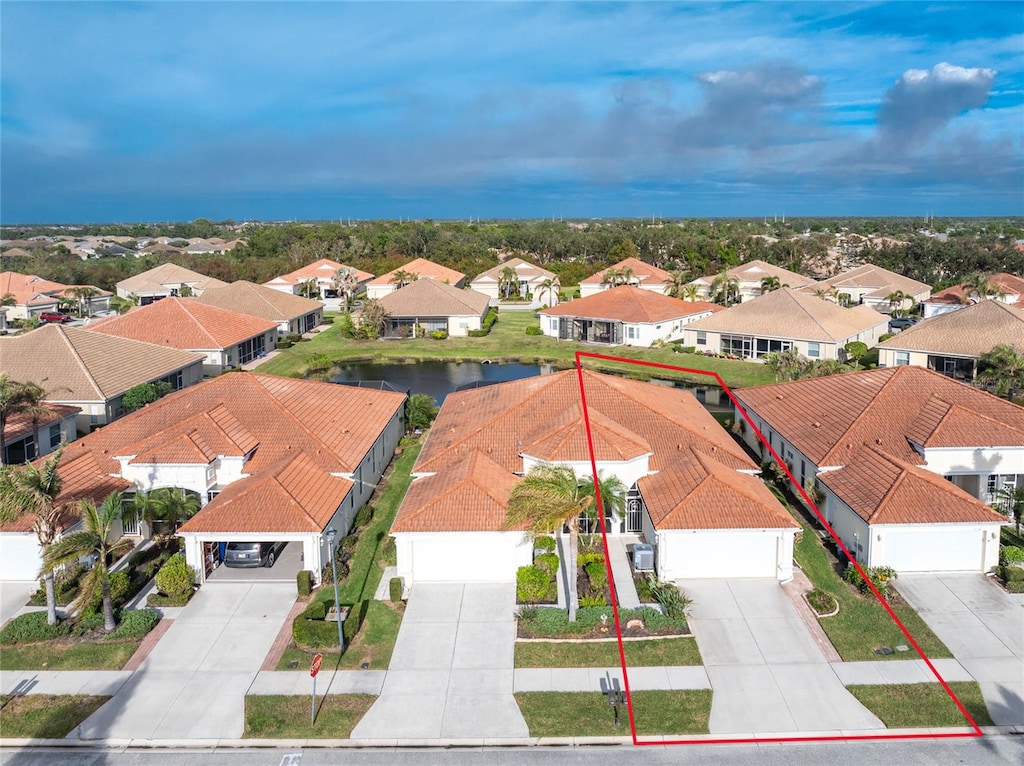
(902, 648)
(635, 623)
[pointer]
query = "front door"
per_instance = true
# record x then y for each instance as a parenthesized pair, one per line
(634, 512)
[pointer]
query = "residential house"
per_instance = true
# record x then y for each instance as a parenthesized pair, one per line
(27, 437)
(1006, 288)
(531, 284)
(785, 319)
(749, 278)
(226, 338)
(324, 274)
(869, 441)
(294, 314)
(631, 271)
(420, 268)
(32, 295)
(624, 315)
(951, 343)
(270, 459)
(426, 305)
(91, 371)
(691, 489)
(872, 285)
(163, 281)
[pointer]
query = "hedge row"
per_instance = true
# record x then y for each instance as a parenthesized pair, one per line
(311, 629)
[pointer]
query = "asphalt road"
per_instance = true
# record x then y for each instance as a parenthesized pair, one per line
(975, 752)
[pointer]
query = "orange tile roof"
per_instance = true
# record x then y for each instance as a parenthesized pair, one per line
(698, 492)
(423, 269)
(272, 418)
(644, 273)
(882, 489)
(184, 323)
(542, 417)
(1006, 284)
(324, 268)
(28, 289)
(631, 304)
(828, 419)
(19, 424)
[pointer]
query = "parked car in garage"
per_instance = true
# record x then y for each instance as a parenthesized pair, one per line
(251, 554)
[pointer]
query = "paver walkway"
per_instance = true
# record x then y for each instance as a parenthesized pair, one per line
(451, 673)
(983, 627)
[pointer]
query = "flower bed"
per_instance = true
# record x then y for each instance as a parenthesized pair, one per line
(596, 623)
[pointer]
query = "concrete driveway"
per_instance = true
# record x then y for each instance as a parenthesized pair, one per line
(193, 683)
(767, 673)
(984, 628)
(451, 672)
(13, 597)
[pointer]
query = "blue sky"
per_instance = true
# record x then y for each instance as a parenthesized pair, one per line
(123, 111)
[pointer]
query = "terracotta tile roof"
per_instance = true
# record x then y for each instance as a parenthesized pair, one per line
(568, 439)
(275, 419)
(19, 424)
(259, 301)
(788, 313)
(162, 278)
(829, 419)
(429, 298)
(74, 364)
(469, 496)
(184, 323)
(523, 269)
(293, 496)
(871, 276)
(631, 304)
(644, 273)
(424, 269)
(698, 492)
(1006, 284)
(971, 331)
(322, 269)
(756, 270)
(882, 489)
(29, 290)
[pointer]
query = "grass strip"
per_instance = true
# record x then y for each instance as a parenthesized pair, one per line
(62, 655)
(656, 653)
(45, 716)
(911, 706)
(275, 716)
(588, 714)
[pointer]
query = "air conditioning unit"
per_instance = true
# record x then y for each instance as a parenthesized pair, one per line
(643, 557)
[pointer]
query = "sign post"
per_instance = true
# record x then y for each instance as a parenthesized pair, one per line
(314, 668)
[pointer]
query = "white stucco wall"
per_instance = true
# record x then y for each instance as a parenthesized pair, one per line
(20, 556)
(733, 553)
(459, 326)
(628, 471)
(462, 556)
(935, 547)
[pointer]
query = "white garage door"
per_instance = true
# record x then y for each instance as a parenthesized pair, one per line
(454, 558)
(934, 550)
(718, 554)
(19, 556)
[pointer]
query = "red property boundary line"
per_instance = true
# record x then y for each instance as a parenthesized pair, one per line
(977, 732)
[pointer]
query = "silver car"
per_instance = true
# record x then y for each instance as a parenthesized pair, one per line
(251, 554)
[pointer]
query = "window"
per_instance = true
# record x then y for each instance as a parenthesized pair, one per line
(769, 346)
(738, 345)
(902, 358)
(702, 339)
(554, 325)
(630, 332)
(54, 435)
(814, 350)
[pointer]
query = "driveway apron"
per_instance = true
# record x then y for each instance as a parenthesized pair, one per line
(767, 673)
(193, 683)
(983, 627)
(451, 672)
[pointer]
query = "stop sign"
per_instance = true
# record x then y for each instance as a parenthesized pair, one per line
(314, 666)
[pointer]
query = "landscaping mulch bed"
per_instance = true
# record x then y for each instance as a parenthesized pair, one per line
(554, 625)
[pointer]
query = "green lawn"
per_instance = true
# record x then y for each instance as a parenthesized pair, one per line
(862, 624)
(508, 341)
(59, 655)
(376, 638)
(588, 714)
(287, 717)
(45, 716)
(655, 653)
(910, 706)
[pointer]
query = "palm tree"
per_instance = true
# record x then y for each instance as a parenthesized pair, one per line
(171, 506)
(508, 282)
(768, 284)
(93, 539)
(977, 288)
(401, 278)
(896, 300)
(678, 283)
(30, 490)
(84, 295)
(309, 288)
(345, 281)
(625, 276)
(374, 318)
(725, 289)
(691, 293)
(1011, 502)
(610, 276)
(1003, 369)
(548, 289)
(8, 299)
(122, 305)
(550, 496)
(18, 398)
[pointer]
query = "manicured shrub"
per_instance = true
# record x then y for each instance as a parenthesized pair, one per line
(687, 349)
(1011, 574)
(395, 589)
(1015, 586)
(1011, 554)
(30, 627)
(317, 610)
(439, 334)
(586, 601)
(582, 559)
(176, 577)
(350, 627)
(304, 582)
(135, 623)
(363, 517)
(597, 574)
(294, 338)
(283, 344)
(531, 584)
(476, 333)
(545, 543)
(534, 330)
(162, 599)
(879, 577)
(328, 320)
(490, 319)
(548, 562)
